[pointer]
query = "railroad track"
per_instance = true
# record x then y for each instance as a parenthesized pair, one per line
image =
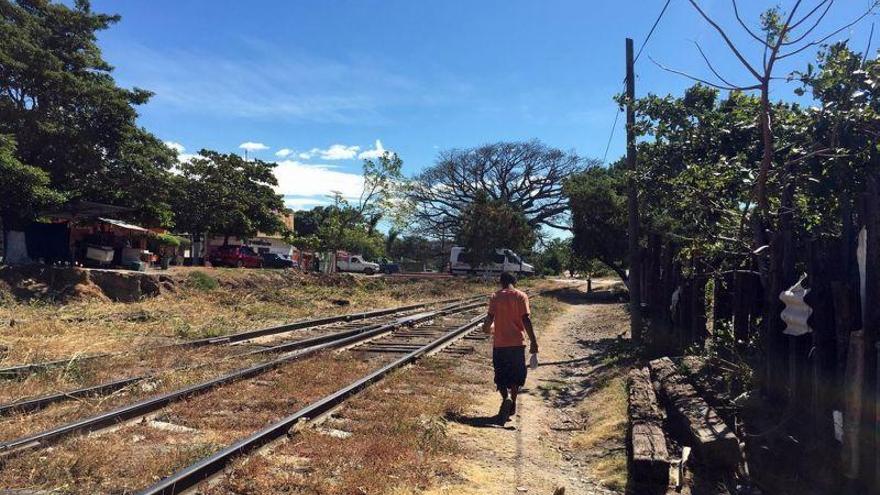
(225, 418)
(200, 471)
(245, 338)
(374, 338)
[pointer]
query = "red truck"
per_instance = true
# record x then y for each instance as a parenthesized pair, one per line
(237, 256)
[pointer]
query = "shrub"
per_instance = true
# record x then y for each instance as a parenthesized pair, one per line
(202, 281)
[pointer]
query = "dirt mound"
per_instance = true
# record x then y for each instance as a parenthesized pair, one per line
(66, 284)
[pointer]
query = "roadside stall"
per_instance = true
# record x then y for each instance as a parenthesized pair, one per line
(106, 242)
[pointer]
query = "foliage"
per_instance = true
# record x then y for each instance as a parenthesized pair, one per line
(597, 198)
(527, 176)
(554, 258)
(488, 224)
(353, 225)
(170, 240)
(228, 195)
(59, 101)
(25, 189)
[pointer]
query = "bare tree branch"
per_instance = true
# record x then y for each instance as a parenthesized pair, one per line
(727, 40)
(712, 68)
(810, 13)
(822, 40)
(746, 27)
(729, 87)
(810, 30)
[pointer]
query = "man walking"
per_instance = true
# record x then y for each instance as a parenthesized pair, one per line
(509, 315)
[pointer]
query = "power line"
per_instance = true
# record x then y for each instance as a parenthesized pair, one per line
(656, 22)
(641, 48)
(613, 127)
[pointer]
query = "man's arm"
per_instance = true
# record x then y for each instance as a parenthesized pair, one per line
(487, 323)
(527, 322)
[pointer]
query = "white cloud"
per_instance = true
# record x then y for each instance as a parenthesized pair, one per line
(175, 146)
(334, 152)
(306, 203)
(305, 183)
(374, 153)
(251, 146)
(179, 149)
(282, 153)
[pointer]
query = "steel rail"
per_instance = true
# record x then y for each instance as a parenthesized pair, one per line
(22, 370)
(146, 406)
(205, 468)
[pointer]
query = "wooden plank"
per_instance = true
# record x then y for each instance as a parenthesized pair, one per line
(649, 454)
(643, 403)
(710, 436)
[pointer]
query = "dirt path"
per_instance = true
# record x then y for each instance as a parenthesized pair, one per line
(536, 452)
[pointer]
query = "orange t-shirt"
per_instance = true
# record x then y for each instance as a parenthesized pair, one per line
(507, 308)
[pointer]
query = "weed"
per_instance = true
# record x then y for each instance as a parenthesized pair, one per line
(202, 281)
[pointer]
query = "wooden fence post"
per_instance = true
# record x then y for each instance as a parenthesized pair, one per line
(871, 323)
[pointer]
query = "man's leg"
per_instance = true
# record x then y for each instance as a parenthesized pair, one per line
(514, 390)
(506, 406)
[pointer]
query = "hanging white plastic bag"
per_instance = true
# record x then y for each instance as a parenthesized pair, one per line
(796, 312)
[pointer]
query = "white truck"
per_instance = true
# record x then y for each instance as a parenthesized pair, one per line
(504, 260)
(356, 263)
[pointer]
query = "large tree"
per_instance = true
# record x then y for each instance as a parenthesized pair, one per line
(227, 195)
(527, 176)
(24, 189)
(597, 197)
(59, 101)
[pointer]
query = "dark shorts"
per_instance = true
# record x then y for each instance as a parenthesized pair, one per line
(510, 366)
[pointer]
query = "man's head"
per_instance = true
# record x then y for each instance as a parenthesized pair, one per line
(507, 279)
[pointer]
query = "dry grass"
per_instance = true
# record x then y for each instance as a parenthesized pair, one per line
(138, 454)
(399, 434)
(244, 299)
(398, 442)
(606, 416)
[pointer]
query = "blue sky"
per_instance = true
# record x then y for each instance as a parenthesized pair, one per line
(318, 85)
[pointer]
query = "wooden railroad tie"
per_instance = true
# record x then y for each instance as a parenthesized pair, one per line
(649, 453)
(712, 439)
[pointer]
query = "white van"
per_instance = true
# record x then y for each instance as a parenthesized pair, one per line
(504, 260)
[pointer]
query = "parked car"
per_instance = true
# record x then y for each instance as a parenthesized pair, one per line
(272, 260)
(388, 266)
(356, 263)
(237, 256)
(504, 260)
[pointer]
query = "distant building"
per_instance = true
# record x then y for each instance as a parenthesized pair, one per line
(262, 243)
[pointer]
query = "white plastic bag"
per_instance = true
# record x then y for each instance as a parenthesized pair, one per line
(533, 362)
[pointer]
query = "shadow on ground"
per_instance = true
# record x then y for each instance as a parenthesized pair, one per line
(476, 421)
(572, 295)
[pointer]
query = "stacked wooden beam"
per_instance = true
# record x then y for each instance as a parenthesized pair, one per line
(649, 452)
(712, 439)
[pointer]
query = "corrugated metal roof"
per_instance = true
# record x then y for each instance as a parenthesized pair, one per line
(123, 225)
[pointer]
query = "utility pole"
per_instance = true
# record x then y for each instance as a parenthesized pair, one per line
(634, 280)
